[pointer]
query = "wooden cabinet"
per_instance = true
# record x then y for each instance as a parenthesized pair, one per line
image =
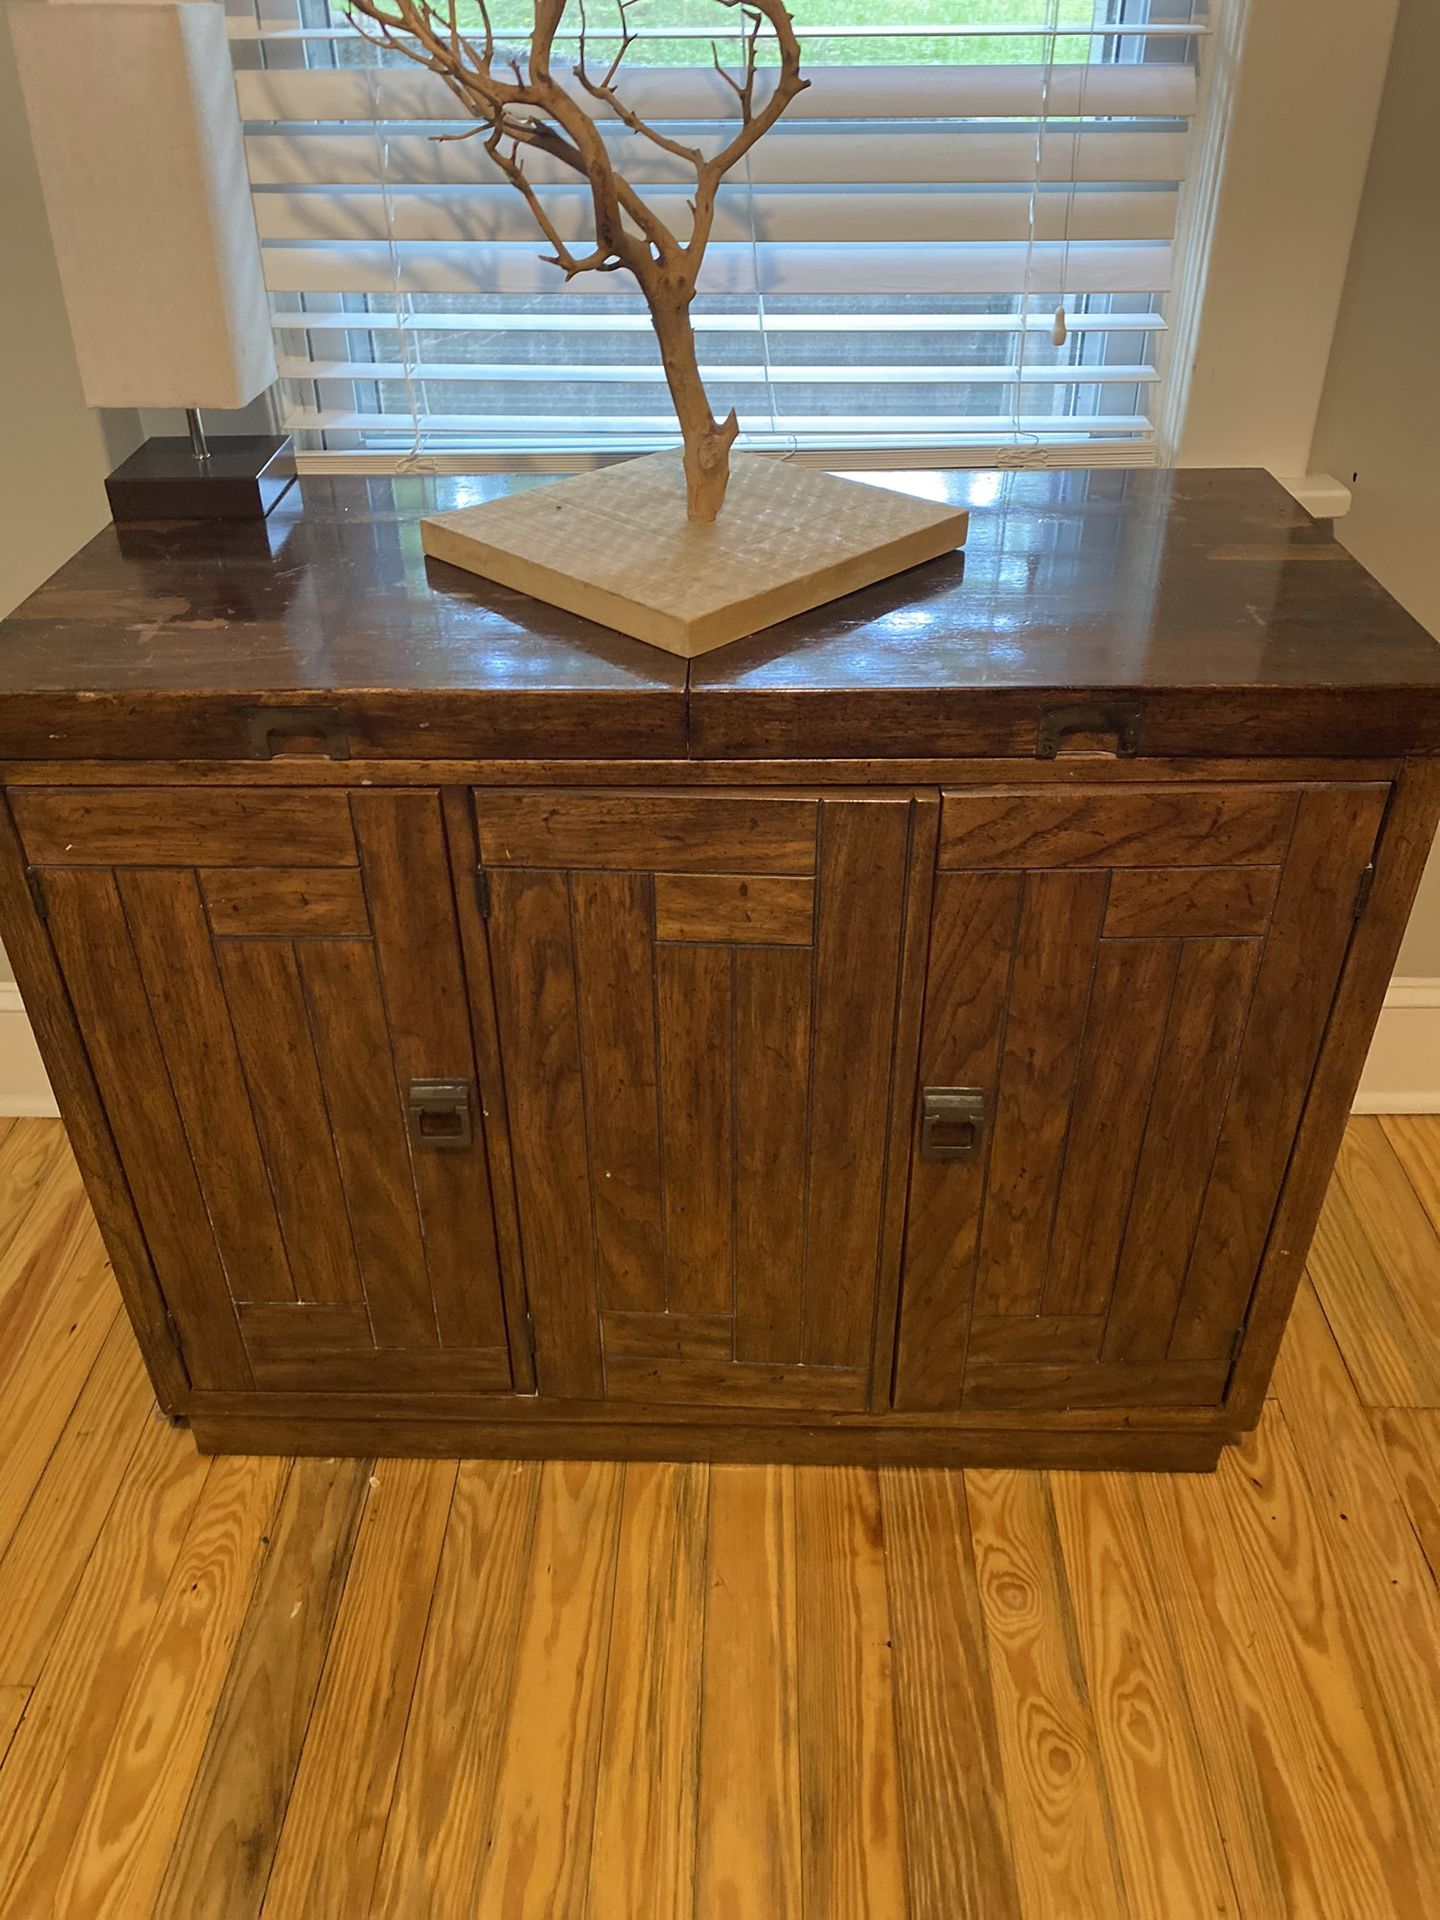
(922, 1033)
(271, 990)
(696, 998)
(1133, 985)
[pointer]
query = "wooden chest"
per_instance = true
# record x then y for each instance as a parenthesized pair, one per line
(920, 1033)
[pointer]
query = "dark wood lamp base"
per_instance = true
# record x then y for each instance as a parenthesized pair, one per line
(242, 478)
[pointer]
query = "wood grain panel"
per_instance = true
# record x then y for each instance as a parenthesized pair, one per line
(192, 1021)
(47, 1552)
(393, 1370)
(1161, 826)
(278, 1332)
(849, 1767)
(642, 1855)
(121, 1844)
(1061, 1821)
(735, 1383)
(343, 1784)
(863, 850)
(746, 908)
(1391, 1367)
(1211, 1002)
(1380, 1560)
(695, 1009)
(485, 1032)
(1417, 1147)
(748, 1858)
(160, 827)
(436, 1837)
(1172, 1853)
(226, 1844)
(13, 1702)
(647, 832)
(971, 951)
(1044, 1021)
(285, 902)
(39, 1384)
(1045, 1337)
(1290, 1657)
(272, 1029)
(1311, 929)
(406, 870)
(543, 1811)
(28, 1156)
(1397, 1227)
(1129, 1007)
(952, 1800)
(87, 926)
(772, 1088)
(57, 1754)
(357, 1071)
(1189, 903)
(668, 1336)
(611, 924)
(1412, 1444)
(534, 971)
(1166, 1383)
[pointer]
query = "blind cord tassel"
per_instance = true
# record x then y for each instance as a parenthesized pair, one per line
(1060, 332)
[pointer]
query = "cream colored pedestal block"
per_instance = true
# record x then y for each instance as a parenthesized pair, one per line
(615, 546)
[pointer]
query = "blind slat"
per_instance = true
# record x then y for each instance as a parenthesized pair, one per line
(953, 374)
(916, 216)
(515, 267)
(579, 317)
(677, 94)
(939, 155)
(661, 426)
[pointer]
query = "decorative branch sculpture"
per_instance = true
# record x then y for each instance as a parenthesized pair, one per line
(533, 112)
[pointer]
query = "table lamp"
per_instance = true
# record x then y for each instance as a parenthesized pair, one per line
(137, 136)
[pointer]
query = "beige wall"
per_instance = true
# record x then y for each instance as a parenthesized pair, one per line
(1380, 416)
(53, 456)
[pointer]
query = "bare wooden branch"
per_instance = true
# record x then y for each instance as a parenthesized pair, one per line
(534, 112)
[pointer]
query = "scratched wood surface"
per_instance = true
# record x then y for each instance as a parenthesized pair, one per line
(265, 1690)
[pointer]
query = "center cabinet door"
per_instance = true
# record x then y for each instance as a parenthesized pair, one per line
(271, 991)
(1127, 992)
(696, 998)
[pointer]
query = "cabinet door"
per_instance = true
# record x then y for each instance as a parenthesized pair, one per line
(267, 983)
(1127, 991)
(696, 999)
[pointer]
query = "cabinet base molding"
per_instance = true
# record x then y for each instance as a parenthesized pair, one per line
(1096, 1450)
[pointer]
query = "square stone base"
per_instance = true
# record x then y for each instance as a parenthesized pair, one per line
(615, 546)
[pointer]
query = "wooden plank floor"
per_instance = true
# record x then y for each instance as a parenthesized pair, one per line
(235, 1688)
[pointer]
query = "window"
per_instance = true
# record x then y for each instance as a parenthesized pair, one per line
(885, 270)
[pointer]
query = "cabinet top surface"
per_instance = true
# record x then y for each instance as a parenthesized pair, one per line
(1085, 579)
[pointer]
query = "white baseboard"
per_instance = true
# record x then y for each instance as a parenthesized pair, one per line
(1402, 1074)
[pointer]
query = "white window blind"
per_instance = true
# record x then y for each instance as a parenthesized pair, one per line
(884, 272)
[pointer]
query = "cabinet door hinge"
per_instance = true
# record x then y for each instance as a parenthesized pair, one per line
(1362, 892)
(482, 892)
(35, 880)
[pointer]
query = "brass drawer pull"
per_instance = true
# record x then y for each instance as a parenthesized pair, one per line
(269, 726)
(440, 1113)
(1058, 722)
(952, 1123)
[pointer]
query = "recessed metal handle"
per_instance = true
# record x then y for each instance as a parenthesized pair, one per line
(268, 726)
(1058, 722)
(952, 1123)
(440, 1113)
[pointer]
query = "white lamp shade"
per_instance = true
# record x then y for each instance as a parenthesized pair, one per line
(137, 134)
